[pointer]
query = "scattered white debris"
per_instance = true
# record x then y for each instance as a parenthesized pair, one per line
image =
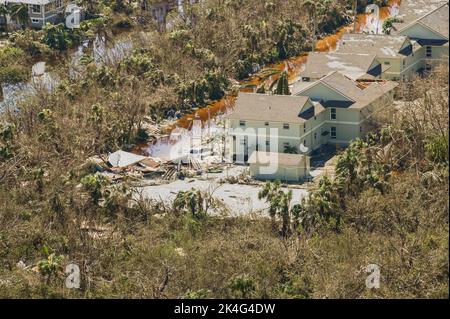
(124, 159)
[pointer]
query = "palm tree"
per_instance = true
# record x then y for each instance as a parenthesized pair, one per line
(279, 204)
(325, 202)
(4, 11)
(311, 7)
(191, 202)
(283, 85)
(305, 218)
(20, 13)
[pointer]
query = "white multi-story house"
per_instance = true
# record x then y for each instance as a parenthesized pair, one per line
(428, 32)
(40, 11)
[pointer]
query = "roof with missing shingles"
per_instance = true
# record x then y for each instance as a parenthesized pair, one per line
(353, 65)
(380, 45)
(411, 10)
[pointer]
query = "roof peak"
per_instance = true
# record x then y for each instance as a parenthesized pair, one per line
(420, 18)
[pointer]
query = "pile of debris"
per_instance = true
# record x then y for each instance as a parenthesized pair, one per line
(120, 164)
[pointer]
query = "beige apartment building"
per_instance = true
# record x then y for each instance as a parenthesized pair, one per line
(334, 109)
(365, 57)
(428, 33)
(415, 44)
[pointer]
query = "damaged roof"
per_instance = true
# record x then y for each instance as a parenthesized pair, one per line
(380, 45)
(353, 65)
(411, 10)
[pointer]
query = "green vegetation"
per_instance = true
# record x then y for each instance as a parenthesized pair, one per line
(388, 24)
(12, 67)
(282, 85)
(387, 203)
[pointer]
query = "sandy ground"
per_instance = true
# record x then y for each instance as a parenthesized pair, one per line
(240, 199)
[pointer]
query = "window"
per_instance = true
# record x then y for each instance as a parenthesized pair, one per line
(333, 133)
(286, 126)
(304, 128)
(58, 3)
(404, 63)
(315, 136)
(387, 63)
(266, 123)
(333, 113)
(304, 142)
(34, 21)
(242, 123)
(267, 143)
(429, 51)
(36, 8)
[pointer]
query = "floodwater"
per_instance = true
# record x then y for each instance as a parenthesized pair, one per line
(40, 78)
(369, 22)
(103, 53)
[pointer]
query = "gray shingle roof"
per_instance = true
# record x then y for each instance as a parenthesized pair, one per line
(436, 20)
(353, 65)
(361, 96)
(383, 46)
(343, 85)
(274, 108)
(411, 10)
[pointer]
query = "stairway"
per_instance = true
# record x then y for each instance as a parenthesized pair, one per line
(169, 174)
